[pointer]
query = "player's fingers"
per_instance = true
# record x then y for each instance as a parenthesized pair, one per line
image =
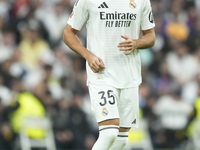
(124, 42)
(125, 49)
(125, 37)
(95, 66)
(94, 70)
(126, 45)
(98, 63)
(101, 63)
(128, 52)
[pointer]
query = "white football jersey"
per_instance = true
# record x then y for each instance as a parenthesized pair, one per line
(106, 21)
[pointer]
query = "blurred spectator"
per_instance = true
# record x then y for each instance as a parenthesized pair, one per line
(174, 115)
(49, 84)
(175, 23)
(197, 4)
(4, 9)
(182, 65)
(63, 64)
(197, 103)
(198, 58)
(55, 22)
(5, 73)
(159, 43)
(72, 126)
(173, 111)
(162, 81)
(144, 92)
(28, 107)
(194, 122)
(20, 8)
(17, 68)
(32, 46)
(6, 136)
(5, 93)
(7, 44)
(1, 27)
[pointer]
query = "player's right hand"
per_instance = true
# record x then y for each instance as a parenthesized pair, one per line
(95, 63)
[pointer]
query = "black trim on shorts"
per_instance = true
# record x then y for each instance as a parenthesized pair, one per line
(109, 128)
(122, 135)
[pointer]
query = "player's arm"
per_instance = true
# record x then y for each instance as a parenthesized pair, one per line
(71, 40)
(129, 45)
(147, 40)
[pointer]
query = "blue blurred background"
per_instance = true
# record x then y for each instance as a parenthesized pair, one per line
(43, 92)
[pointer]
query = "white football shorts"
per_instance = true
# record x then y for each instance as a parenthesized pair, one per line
(108, 102)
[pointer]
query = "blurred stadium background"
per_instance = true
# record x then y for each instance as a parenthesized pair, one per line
(43, 97)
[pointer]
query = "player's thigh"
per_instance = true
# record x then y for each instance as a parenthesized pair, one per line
(129, 107)
(114, 121)
(104, 101)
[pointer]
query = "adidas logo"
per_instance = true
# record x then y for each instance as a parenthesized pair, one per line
(134, 121)
(103, 5)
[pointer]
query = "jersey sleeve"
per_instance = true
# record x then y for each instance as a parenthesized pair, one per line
(79, 15)
(147, 21)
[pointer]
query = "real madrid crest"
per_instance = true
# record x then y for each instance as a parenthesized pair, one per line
(104, 112)
(132, 4)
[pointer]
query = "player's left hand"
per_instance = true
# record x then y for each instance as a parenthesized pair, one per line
(128, 46)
